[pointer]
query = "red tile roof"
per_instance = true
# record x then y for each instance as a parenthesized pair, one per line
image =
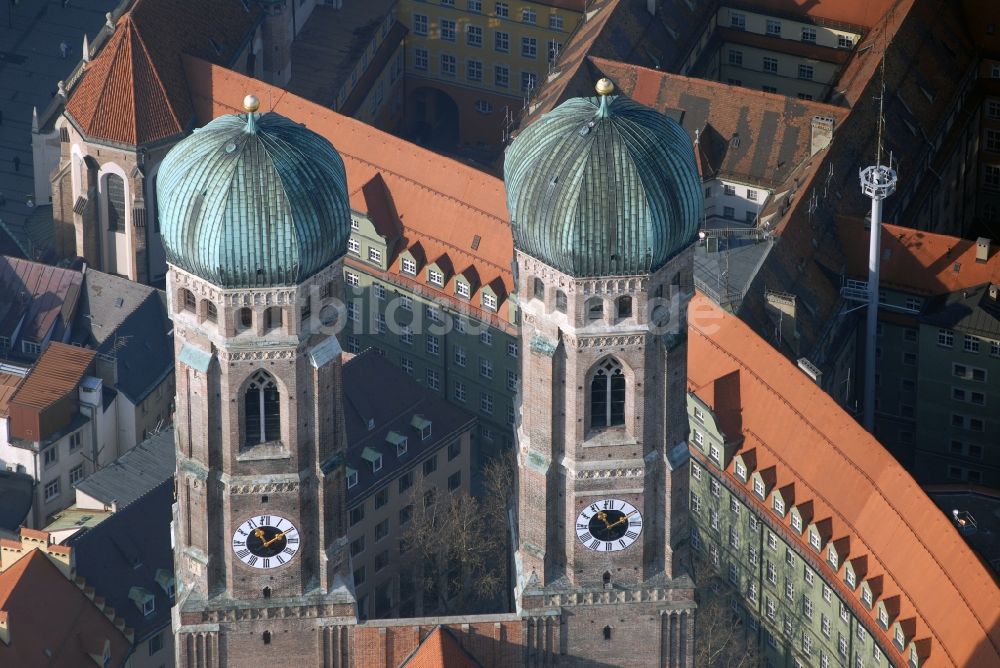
(8, 385)
(57, 373)
(440, 650)
(916, 261)
(862, 13)
(442, 205)
(874, 507)
(133, 91)
(51, 621)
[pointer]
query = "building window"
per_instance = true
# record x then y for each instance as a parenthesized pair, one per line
(381, 530)
(809, 35)
(501, 79)
(357, 546)
(407, 365)
(528, 16)
(262, 410)
(116, 202)
(624, 307)
(433, 379)
(806, 72)
(489, 301)
(971, 344)
(486, 403)
(405, 481)
(737, 21)
(772, 541)
(607, 395)
(352, 279)
(50, 456)
(474, 72)
(447, 30)
(529, 47)
(420, 58)
(715, 488)
(459, 391)
(475, 6)
(76, 474)
(501, 9)
(485, 368)
(447, 68)
(991, 177)
(474, 36)
(212, 313)
(735, 57)
(770, 64)
(512, 380)
(52, 489)
(797, 523)
(741, 471)
(406, 302)
(758, 487)
(433, 345)
(774, 28)
(555, 22)
(272, 318)
(454, 481)
(430, 465)
(501, 41)
(419, 24)
(778, 504)
(845, 42)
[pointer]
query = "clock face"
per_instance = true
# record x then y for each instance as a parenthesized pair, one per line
(266, 541)
(609, 525)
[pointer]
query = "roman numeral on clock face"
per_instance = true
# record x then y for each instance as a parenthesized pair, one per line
(609, 525)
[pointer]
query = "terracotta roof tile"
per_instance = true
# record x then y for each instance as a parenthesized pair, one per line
(874, 507)
(133, 91)
(52, 622)
(861, 13)
(440, 649)
(57, 373)
(8, 385)
(916, 261)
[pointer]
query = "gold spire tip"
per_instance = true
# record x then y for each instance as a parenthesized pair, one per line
(604, 86)
(251, 104)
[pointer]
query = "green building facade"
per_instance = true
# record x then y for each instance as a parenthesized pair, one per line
(787, 598)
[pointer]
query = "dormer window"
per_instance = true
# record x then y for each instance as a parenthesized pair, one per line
(373, 457)
(422, 425)
(797, 523)
(778, 504)
(914, 659)
(435, 277)
(741, 470)
(397, 439)
(352, 477)
(354, 224)
(699, 415)
(900, 641)
(831, 556)
(814, 540)
(143, 599)
(758, 487)
(713, 452)
(866, 597)
(408, 266)
(462, 289)
(850, 579)
(489, 301)
(883, 618)
(149, 606)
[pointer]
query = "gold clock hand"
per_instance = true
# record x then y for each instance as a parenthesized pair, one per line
(277, 536)
(603, 516)
(621, 519)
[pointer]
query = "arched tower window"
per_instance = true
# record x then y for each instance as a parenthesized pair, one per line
(246, 318)
(115, 189)
(607, 395)
(262, 415)
(188, 301)
(538, 288)
(595, 309)
(625, 307)
(560, 301)
(272, 318)
(211, 313)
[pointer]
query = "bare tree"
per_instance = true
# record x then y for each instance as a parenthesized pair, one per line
(462, 544)
(721, 638)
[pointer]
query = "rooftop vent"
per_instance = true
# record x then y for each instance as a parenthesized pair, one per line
(982, 249)
(475, 242)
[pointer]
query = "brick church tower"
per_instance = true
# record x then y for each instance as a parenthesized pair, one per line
(605, 202)
(255, 220)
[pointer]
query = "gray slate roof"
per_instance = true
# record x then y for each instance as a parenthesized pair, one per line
(970, 311)
(135, 473)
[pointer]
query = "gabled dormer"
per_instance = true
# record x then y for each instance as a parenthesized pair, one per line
(409, 263)
(800, 516)
(886, 611)
(762, 482)
(855, 571)
(708, 433)
(438, 273)
(918, 652)
(819, 534)
(903, 631)
(871, 590)
(837, 552)
(782, 499)
(489, 298)
(744, 463)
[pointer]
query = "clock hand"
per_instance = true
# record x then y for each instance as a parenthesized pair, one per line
(603, 516)
(277, 536)
(259, 533)
(621, 519)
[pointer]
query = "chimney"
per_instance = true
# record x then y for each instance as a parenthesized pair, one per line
(651, 7)
(822, 133)
(994, 291)
(982, 250)
(4, 627)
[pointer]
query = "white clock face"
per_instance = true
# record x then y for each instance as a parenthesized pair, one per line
(609, 525)
(266, 541)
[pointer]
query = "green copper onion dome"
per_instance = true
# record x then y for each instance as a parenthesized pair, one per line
(603, 187)
(253, 200)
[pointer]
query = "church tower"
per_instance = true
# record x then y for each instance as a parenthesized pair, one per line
(255, 220)
(605, 202)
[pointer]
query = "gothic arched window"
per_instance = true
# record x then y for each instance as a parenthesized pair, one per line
(262, 416)
(607, 395)
(115, 189)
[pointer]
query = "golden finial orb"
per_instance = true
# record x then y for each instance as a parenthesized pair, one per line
(251, 104)
(604, 86)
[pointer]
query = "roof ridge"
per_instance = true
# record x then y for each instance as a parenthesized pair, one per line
(877, 489)
(152, 65)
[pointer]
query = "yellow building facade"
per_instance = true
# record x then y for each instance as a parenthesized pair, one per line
(470, 64)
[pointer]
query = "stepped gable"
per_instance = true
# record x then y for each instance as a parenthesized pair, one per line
(133, 92)
(874, 515)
